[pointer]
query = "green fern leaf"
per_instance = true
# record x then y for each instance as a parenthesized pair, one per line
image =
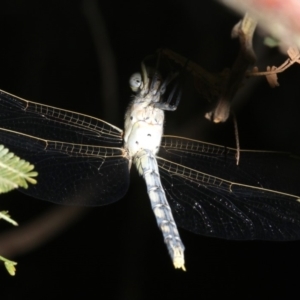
(14, 171)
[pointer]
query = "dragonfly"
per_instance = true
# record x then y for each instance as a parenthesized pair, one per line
(82, 160)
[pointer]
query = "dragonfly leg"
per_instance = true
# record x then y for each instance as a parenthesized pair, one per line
(174, 93)
(167, 104)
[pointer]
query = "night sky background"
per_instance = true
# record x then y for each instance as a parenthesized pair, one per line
(48, 54)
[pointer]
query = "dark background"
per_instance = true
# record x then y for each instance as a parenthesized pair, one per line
(48, 54)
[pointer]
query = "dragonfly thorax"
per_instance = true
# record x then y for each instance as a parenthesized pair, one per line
(143, 127)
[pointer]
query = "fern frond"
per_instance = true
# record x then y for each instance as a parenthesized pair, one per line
(14, 171)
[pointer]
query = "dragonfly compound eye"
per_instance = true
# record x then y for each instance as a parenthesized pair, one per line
(135, 81)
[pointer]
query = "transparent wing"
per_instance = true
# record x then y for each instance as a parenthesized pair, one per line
(53, 123)
(212, 196)
(79, 158)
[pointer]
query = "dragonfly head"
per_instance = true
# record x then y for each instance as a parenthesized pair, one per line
(135, 82)
(151, 82)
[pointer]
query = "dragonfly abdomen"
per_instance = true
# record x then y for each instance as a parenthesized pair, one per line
(146, 164)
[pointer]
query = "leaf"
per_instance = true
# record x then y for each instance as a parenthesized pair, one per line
(271, 42)
(5, 216)
(9, 265)
(272, 77)
(14, 172)
(293, 53)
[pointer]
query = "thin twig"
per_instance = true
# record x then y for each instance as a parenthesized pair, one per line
(107, 64)
(37, 232)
